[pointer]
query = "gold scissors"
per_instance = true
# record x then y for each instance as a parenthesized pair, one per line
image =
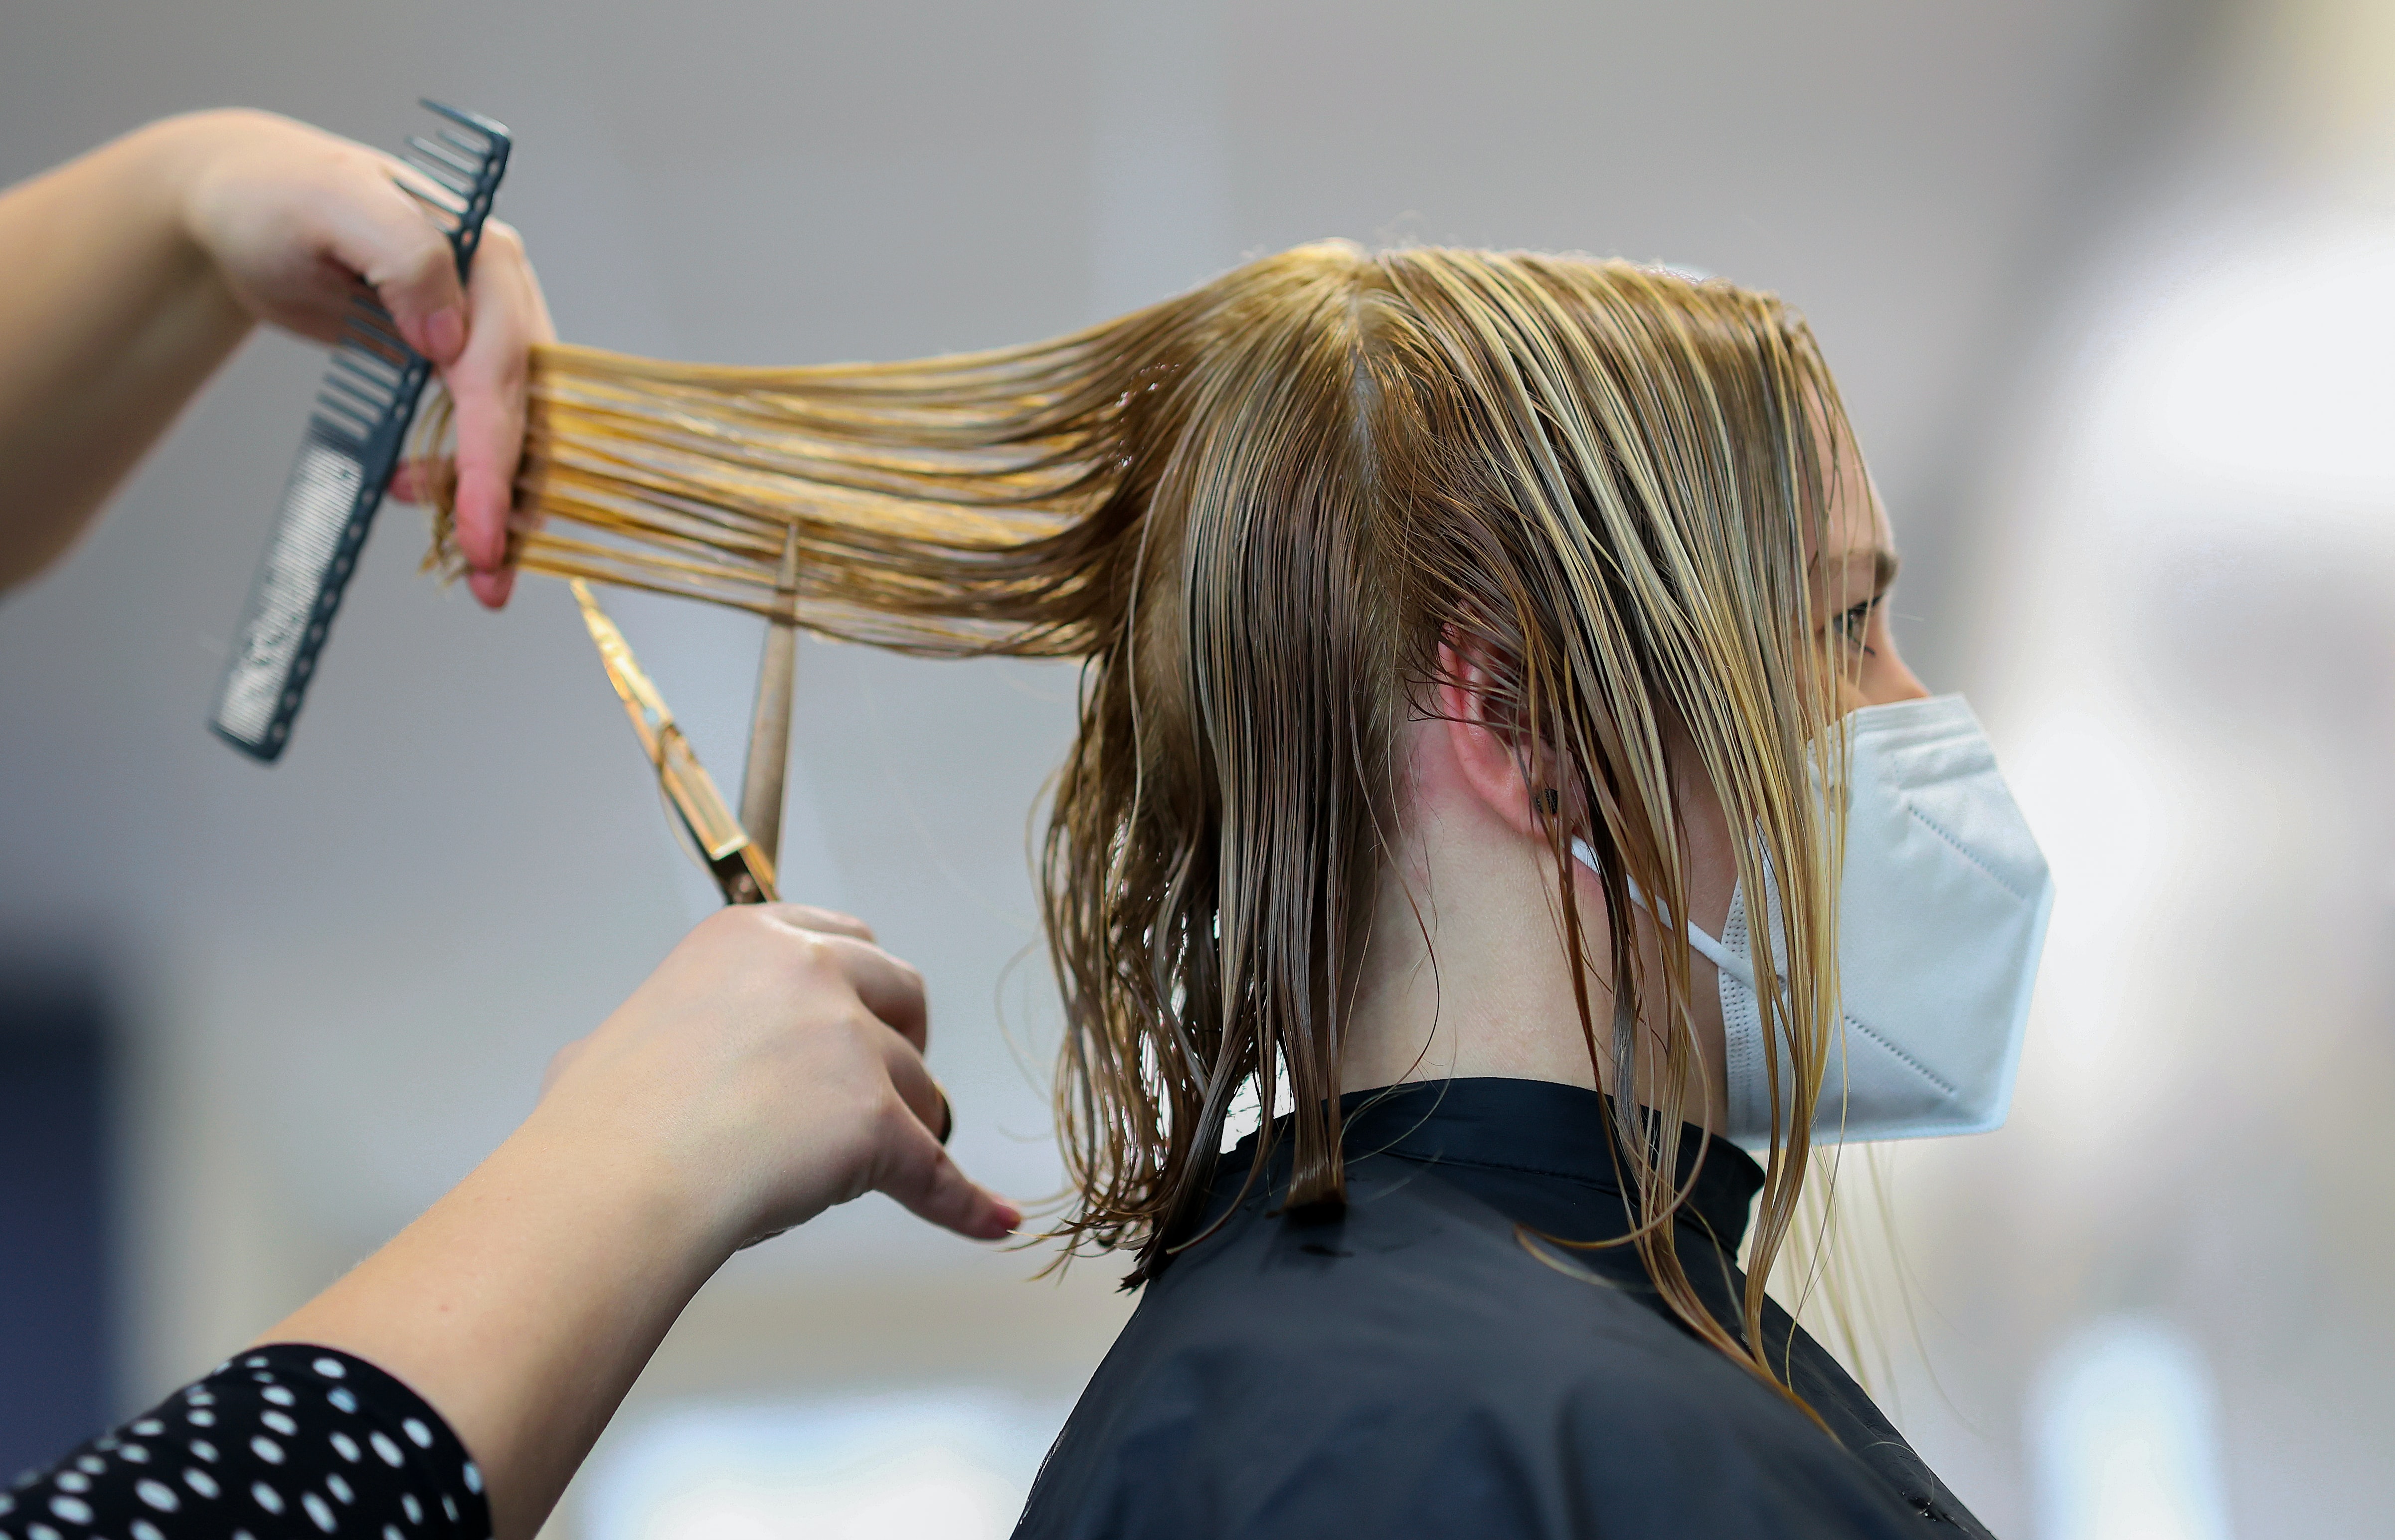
(740, 852)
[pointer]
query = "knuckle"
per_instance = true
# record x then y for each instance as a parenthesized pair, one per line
(863, 1034)
(418, 253)
(732, 927)
(805, 963)
(814, 951)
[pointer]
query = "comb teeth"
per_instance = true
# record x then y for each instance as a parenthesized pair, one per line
(463, 160)
(360, 421)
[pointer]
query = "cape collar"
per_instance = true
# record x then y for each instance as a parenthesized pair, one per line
(1535, 1129)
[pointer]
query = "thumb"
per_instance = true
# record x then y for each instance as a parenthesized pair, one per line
(920, 1176)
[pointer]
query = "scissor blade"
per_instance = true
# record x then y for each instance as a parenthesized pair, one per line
(762, 783)
(741, 870)
(641, 701)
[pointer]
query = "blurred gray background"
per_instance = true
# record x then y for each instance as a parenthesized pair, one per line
(2104, 283)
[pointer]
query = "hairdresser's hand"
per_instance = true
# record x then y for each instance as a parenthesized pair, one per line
(774, 1065)
(134, 270)
(770, 1068)
(294, 218)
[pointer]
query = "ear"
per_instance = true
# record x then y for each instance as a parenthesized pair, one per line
(1489, 757)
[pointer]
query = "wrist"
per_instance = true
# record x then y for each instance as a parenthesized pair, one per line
(163, 161)
(178, 160)
(159, 173)
(628, 1181)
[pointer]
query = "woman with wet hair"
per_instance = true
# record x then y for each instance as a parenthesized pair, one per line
(1495, 768)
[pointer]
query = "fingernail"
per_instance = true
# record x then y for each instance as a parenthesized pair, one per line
(444, 333)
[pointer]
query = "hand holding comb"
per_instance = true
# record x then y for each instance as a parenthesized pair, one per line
(349, 449)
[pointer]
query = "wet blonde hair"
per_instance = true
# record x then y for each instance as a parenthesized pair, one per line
(1255, 511)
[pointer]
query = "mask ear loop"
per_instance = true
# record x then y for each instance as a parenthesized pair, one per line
(1715, 952)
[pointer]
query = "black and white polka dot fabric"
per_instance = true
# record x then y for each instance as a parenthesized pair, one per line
(287, 1440)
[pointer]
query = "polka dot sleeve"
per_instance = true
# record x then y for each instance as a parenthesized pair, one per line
(287, 1440)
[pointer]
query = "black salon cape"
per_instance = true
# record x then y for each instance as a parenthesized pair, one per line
(1413, 1368)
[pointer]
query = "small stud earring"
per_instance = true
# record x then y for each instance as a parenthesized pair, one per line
(1549, 801)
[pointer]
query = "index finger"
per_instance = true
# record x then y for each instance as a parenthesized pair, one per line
(488, 382)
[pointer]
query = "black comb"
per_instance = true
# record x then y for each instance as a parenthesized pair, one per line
(347, 456)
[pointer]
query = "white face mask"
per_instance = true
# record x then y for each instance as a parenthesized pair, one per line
(1942, 914)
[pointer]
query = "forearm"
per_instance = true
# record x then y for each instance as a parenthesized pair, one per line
(111, 317)
(524, 1304)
